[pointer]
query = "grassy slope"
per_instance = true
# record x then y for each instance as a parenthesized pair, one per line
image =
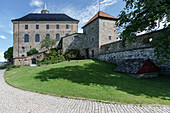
(92, 79)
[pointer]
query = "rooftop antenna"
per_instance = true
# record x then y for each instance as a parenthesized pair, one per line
(99, 4)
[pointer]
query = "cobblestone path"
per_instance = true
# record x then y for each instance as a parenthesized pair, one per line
(13, 100)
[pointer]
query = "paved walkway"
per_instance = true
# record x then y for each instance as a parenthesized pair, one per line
(13, 100)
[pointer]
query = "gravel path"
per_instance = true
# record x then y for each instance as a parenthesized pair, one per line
(13, 100)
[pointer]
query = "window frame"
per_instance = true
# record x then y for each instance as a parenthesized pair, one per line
(37, 38)
(47, 26)
(67, 26)
(47, 37)
(26, 27)
(26, 38)
(57, 36)
(37, 26)
(110, 37)
(57, 26)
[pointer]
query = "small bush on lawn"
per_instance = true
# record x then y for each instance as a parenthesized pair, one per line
(3, 67)
(55, 56)
(73, 54)
(13, 67)
(31, 52)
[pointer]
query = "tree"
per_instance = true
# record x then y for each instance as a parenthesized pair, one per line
(145, 15)
(9, 54)
(48, 43)
(31, 52)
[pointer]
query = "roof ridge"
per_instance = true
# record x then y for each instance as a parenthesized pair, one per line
(100, 14)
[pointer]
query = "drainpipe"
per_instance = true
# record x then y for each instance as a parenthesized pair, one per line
(18, 38)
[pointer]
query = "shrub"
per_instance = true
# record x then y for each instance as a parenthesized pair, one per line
(73, 54)
(55, 56)
(31, 52)
(13, 67)
(3, 67)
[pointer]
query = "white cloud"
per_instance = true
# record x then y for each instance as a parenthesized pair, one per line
(2, 57)
(37, 3)
(160, 25)
(3, 37)
(84, 15)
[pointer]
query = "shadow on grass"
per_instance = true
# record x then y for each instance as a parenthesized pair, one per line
(101, 73)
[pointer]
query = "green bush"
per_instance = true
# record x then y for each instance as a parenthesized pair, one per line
(3, 67)
(31, 52)
(55, 56)
(13, 67)
(73, 54)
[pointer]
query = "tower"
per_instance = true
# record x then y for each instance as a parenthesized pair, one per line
(45, 11)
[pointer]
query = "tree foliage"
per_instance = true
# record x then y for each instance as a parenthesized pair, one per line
(32, 51)
(9, 54)
(146, 15)
(48, 43)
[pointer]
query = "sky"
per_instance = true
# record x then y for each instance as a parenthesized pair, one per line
(82, 10)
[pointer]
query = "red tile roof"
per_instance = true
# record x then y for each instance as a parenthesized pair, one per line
(100, 14)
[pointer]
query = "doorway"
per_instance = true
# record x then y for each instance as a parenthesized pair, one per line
(34, 61)
(87, 53)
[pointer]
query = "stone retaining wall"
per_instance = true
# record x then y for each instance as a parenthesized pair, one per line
(138, 53)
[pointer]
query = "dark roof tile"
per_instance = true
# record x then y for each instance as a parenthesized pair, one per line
(45, 17)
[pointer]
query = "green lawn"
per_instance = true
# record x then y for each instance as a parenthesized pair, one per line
(91, 79)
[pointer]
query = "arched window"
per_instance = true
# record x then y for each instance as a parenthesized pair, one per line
(57, 37)
(26, 38)
(47, 36)
(37, 38)
(67, 34)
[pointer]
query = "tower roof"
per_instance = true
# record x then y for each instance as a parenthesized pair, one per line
(45, 11)
(100, 14)
(45, 6)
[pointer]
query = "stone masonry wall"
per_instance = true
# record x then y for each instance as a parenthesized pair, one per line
(19, 31)
(74, 41)
(140, 49)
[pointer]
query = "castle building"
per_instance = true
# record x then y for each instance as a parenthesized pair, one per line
(31, 29)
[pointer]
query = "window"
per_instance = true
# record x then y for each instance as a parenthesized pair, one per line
(37, 26)
(47, 26)
(67, 34)
(57, 26)
(110, 38)
(92, 53)
(37, 38)
(23, 49)
(57, 37)
(76, 38)
(26, 26)
(150, 39)
(92, 39)
(26, 38)
(47, 36)
(67, 26)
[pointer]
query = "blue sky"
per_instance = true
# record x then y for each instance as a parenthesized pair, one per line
(78, 9)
